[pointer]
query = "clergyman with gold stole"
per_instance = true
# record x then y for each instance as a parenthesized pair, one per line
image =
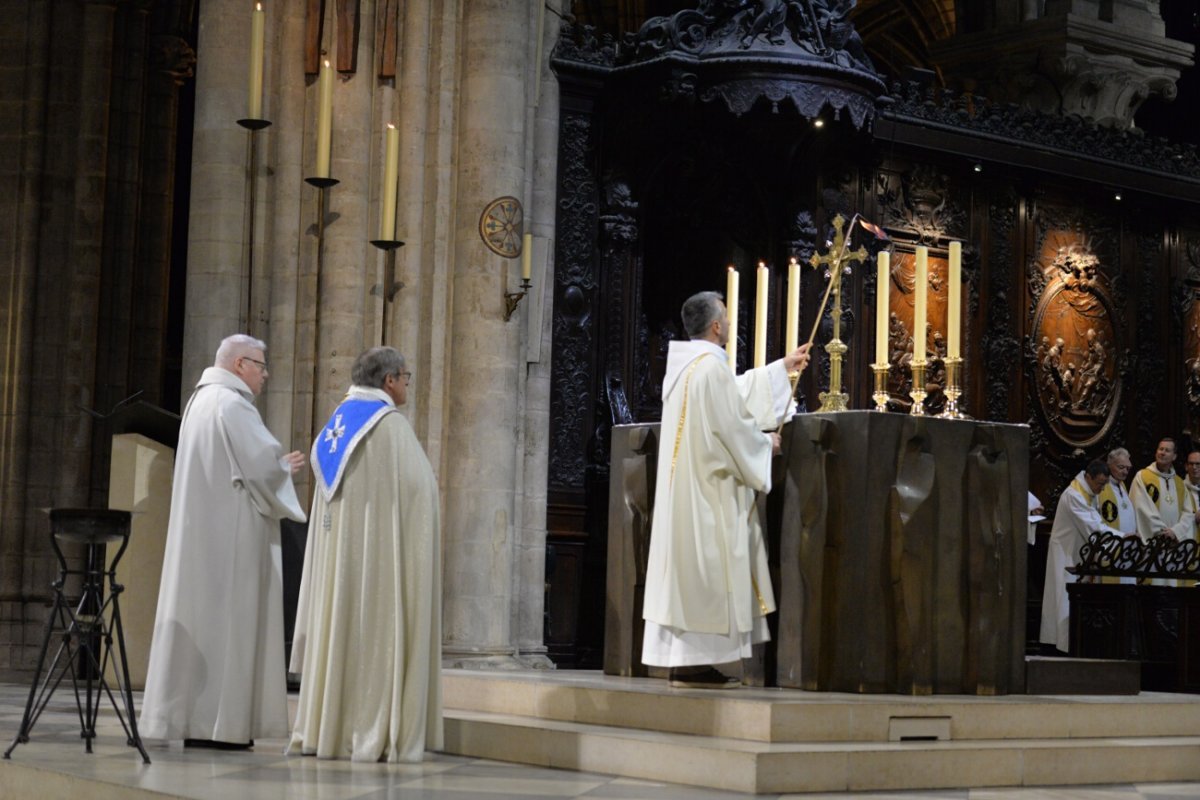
(368, 624)
(1115, 505)
(708, 590)
(1162, 502)
(1075, 518)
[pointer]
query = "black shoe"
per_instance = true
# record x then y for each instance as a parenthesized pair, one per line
(706, 678)
(213, 744)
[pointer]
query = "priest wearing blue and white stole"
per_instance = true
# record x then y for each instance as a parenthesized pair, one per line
(368, 626)
(708, 590)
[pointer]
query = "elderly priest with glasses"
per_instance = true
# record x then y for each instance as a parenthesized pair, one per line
(216, 675)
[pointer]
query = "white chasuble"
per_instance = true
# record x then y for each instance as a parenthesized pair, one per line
(1077, 515)
(216, 666)
(368, 626)
(1162, 502)
(708, 589)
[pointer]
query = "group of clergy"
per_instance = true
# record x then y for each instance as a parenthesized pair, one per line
(367, 639)
(1159, 502)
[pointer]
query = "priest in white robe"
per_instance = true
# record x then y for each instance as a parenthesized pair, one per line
(1192, 481)
(1075, 518)
(368, 626)
(216, 673)
(1115, 505)
(708, 590)
(1161, 501)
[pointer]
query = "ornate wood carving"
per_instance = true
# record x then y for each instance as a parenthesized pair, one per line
(1074, 334)
(1107, 553)
(618, 241)
(1068, 135)
(805, 53)
(999, 348)
(1150, 365)
(917, 206)
(575, 287)
(1190, 320)
(1076, 380)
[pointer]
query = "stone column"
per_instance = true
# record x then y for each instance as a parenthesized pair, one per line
(538, 313)
(1098, 60)
(216, 298)
(485, 366)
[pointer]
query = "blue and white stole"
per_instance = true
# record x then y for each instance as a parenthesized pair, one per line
(350, 423)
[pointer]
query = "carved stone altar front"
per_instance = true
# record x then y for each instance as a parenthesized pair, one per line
(900, 554)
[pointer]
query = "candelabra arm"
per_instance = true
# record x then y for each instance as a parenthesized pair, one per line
(513, 299)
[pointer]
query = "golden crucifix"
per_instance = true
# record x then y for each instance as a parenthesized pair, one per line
(836, 259)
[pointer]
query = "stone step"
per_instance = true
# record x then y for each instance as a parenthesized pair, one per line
(791, 716)
(736, 764)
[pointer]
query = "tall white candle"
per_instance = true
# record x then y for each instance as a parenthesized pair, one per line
(792, 333)
(760, 315)
(526, 256)
(882, 288)
(954, 313)
(324, 120)
(387, 205)
(731, 305)
(921, 279)
(257, 37)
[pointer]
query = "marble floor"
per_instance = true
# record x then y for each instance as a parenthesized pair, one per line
(53, 764)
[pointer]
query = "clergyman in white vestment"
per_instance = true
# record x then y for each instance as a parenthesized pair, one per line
(1192, 481)
(368, 626)
(216, 671)
(708, 590)
(1162, 503)
(1077, 516)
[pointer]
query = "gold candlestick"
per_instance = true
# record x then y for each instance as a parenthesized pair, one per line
(881, 394)
(835, 400)
(953, 389)
(918, 388)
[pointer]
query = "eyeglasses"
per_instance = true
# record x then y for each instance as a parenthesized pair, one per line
(406, 375)
(262, 364)
(1193, 464)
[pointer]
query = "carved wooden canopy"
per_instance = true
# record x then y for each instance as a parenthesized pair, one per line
(804, 52)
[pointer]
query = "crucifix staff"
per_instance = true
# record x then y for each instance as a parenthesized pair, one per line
(836, 258)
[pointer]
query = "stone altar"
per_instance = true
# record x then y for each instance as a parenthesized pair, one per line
(888, 580)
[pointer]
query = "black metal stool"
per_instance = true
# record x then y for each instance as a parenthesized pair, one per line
(85, 631)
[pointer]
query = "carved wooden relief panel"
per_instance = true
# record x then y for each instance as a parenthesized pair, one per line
(1076, 382)
(1190, 312)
